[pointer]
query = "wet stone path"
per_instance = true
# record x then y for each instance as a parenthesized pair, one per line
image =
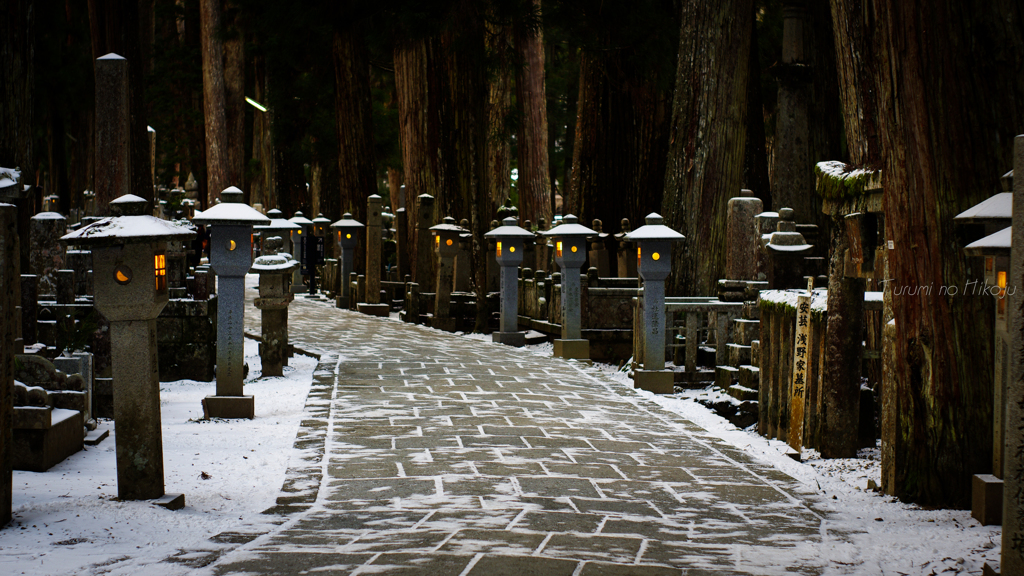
(427, 453)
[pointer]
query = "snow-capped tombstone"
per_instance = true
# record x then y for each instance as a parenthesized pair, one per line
(570, 239)
(374, 223)
(508, 252)
(130, 281)
(275, 294)
(346, 232)
(46, 255)
(316, 250)
(741, 236)
(230, 224)
(786, 251)
(299, 247)
(654, 261)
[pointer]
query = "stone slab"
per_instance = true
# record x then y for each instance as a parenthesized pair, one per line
(987, 499)
(229, 407)
(94, 437)
(657, 381)
(517, 339)
(572, 349)
(382, 310)
(171, 501)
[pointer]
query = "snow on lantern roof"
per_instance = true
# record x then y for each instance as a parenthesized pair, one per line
(448, 225)
(509, 229)
(320, 219)
(347, 221)
(128, 229)
(231, 212)
(300, 220)
(274, 263)
(48, 216)
(655, 230)
(127, 199)
(996, 244)
(569, 228)
(998, 207)
(278, 224)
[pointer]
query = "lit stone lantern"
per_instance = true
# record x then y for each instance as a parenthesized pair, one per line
(346, 234)
(508, 252)
(281, 227)
(299, 247)
(570, 239)
(315, 246)
(275, 294)
(130, 283)
(446, 245)
(230, 224)
(654, 261)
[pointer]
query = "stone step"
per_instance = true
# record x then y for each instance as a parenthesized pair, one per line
(697, 379)
(738, 355)
(726, 376)
(750, 377)
(745, 331)
(742, 393)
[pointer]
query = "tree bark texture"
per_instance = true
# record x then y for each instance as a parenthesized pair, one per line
(839, 400)
(262, 188)
(708, 138)
(946, 114)
(499, 117)
(114, 27)
(357, 167)
(618, 166)
(214, 100)
(16, 102)
(234, 96)
(534, 182)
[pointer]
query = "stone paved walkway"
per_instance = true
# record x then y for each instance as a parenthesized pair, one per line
(427, 453)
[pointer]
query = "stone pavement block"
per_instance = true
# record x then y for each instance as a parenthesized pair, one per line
(545, 442)
(656, 473)
(605, 548)
(584, 470)
(380, 489)
(543, 521)
(400, 564)
(523, 566)
(277, 563)
(558, 487)
(503, 542)
(654, 530)
(618, 507)
(599, 569)
(503, 469)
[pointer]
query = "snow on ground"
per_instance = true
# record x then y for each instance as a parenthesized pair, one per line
(68, 520)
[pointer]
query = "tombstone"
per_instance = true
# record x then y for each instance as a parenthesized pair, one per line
(509, 254)
(543, 248)
(446, 244)
(598, 251)
(570, 239)
(374, 221)
(129, 259)
(402, 240)
(493, 268)
(284, 229)
(347, 234)
(741, 237)
(654, 261)
(626, 250)
(46, 255)
(424, 272)
(463, 278)
(786, 250)
(316, 244)
(113, 131)
(230, 224)
(29, 307)
(299, 252)
(275, 294)
(10, 293)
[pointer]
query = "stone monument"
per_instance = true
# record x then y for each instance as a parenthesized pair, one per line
(508, 245)
(570, 253)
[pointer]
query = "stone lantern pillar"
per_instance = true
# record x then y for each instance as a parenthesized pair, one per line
(304, 232)
(508, 251)
(230, 224)
(346, 233)
(570, 253)
(130, 281)
(315, 244)
(275, 294)
(654, 261)
(446, 244)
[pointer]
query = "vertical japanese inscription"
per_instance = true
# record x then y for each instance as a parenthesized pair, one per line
(801, 346)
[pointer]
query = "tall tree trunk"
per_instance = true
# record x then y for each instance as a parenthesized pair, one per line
(262, 190)
(214, 99)
(534, 182)
(708, 137)
(933, 169)
(16, 89)
(755, 166)
(618, 166)
(357, 164)
(234, 97)
(417, 112)
(499, 113)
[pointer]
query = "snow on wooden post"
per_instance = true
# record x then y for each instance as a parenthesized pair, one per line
(801, 360)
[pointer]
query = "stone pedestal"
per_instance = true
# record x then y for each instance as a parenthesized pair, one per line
(987, 499)
(656, 381)
(577, 349)
(233, 407)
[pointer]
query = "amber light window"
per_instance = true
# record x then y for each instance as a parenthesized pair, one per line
(160, 268)
(499, 249)
(558, 248)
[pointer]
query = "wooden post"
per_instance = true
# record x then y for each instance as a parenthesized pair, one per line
(801, 359)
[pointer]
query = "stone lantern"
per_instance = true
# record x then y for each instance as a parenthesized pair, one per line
(654, 261)
(446, 245)
(570, 253)
(299, 247)
(130, 283)
(230, 224)
(346, 233)
(786, 250)
(281, 227)
(275, 294)
(315, 247)
(508, 251)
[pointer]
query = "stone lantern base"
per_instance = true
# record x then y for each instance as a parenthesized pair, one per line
(229, 407)
(572, 349)
(657, 381)
(383, 309)
(517, 339)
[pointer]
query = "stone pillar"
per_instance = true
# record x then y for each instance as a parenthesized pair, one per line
(29, 307)
(626, 255)
(509, 252)
(424, 270)
(275, 272)
(493, 269)
(599, 251)
(10, 288)
(570, 239)
(374, 222)
(46, 255)
(462, 276)
(1013, 464)
(113, 137)
(402, 241)
(741, 237)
